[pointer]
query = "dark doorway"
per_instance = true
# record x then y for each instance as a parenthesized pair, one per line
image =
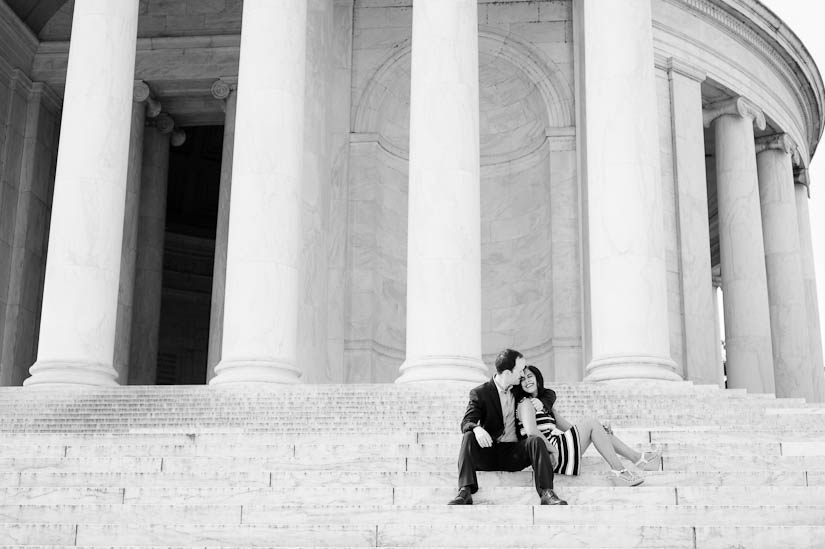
(188, 256)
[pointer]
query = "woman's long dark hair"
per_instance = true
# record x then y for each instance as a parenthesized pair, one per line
(547, 396)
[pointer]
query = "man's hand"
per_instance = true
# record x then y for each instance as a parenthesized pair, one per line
(553, 451)
(483, 437)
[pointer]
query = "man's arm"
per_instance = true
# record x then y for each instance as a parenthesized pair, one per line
(475, 413)
(473, 417)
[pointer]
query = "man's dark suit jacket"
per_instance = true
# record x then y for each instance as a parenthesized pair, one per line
(484, 409)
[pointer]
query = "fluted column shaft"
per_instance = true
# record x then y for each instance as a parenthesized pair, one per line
(786, 291)
(145, 327)
(444, 227)
(261, 303)
(77, 328)
(817, 374)
(628, 289)
(221, 89)
(744, 281)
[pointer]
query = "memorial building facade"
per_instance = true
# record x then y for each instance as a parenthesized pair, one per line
(367, 191)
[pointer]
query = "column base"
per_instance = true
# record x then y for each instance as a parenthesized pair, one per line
(443, 369)
(58, 372)
(620, 367)
(255, 371)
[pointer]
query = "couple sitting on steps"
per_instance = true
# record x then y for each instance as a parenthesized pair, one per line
(511, 423)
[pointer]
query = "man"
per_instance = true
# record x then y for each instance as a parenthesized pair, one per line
(490, 442)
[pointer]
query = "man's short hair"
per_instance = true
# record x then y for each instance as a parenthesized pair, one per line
(506, 360)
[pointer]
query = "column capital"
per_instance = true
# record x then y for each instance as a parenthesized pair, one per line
(224, 86)
(164, 123)
(778, 142)
(737, 106)
(800, 177)
(143, 94)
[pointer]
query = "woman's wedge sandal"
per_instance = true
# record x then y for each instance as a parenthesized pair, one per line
(625, 477)
(649, 460)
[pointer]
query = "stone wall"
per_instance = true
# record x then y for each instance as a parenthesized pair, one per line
(29, 121)
(529, 196)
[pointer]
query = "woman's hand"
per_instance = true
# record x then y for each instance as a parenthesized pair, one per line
(553, 451)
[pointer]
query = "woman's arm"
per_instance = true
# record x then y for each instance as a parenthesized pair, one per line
(561, 422)
(527, 415)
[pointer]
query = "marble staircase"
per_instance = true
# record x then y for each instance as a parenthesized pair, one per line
(374, 465)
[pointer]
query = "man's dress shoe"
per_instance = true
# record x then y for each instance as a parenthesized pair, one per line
(549, 497)
(464, 497)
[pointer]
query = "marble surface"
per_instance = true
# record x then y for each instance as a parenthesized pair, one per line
(128, 254)
(145, 325)
(695, 289)
(443, 330)
(529, 248)
(744, 280)
(77, 330)
(783, 265)
(264, 242)
(817, 375)
(629, 327)
(221, 236)
(30, 172)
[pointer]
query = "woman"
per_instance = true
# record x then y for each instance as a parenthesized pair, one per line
(535, 415)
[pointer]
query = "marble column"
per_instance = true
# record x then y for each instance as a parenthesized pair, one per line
(77, 328)
(700, 315)
(261, 299)
(148, 286)
(786, 292)
(717, 325)
(628, 289)
(806, 250)
(225, 89)
(444, 224)
(744, 280)
(143, 107)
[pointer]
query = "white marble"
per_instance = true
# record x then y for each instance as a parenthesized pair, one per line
(628, 290)
(128, 254)
(261, 300)
(26, 261)
(744, 280)
(443, 339)
(783, 265)
(700, 339)
(817, 372)
(227, 90)
(145, 325)
(77, 328)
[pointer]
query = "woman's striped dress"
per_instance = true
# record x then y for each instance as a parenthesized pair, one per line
(567, 442)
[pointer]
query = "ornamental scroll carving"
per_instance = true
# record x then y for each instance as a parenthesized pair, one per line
(735, 106)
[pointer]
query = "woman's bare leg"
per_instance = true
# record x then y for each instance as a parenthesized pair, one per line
(591, 430)
(624, 450)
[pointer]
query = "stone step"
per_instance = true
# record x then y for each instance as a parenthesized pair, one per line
(575, 494)
(392, 535)
(342, 479)
(310, 450)
(640, 513)
(345, 462)
(567, 536)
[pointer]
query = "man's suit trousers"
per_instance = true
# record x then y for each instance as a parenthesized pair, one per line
(504, 456)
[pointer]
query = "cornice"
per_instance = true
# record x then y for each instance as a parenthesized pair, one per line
(754, 24)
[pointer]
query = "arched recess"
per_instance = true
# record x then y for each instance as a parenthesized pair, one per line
(529, 223)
